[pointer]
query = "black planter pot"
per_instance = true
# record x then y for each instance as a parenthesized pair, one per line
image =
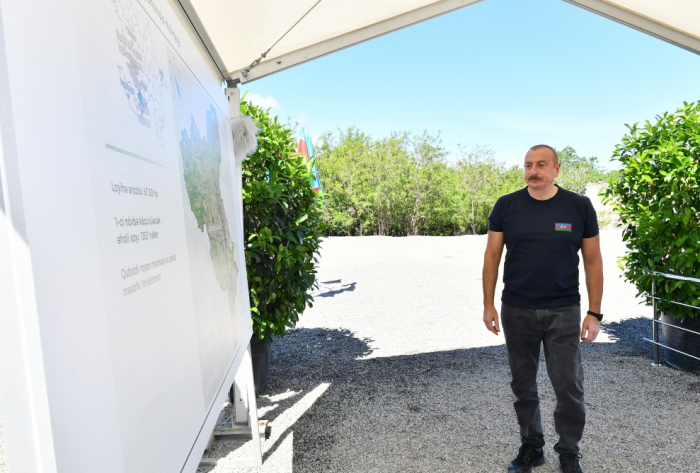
(683, 341)
(260, 353)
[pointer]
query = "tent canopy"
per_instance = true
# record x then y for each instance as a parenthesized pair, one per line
(250, 39)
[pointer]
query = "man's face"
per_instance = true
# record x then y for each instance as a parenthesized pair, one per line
(540, 168)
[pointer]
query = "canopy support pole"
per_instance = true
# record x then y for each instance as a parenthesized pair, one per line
(234, 99)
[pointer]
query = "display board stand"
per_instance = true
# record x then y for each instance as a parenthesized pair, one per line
(240, 419)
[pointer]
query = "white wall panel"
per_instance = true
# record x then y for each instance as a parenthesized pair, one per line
(122, 159)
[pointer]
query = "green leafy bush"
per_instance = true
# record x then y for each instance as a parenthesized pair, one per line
(282, 227)
(406, 185)
(657, 197)
(409, 184)
(577, 171)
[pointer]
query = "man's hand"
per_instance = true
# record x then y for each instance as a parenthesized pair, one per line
(589, 331)
(593, 265)
(492, 258)
(491, 320)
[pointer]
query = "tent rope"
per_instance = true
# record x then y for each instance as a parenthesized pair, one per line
(262, 56)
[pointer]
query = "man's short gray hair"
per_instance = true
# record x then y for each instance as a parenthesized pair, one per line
(556, 156)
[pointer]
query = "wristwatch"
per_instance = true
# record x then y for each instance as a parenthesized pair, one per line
(597, 316)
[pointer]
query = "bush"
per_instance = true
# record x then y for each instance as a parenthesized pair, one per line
(282, 227)
(406, 185)
(577, 171)
(657, 197)
(409, 184)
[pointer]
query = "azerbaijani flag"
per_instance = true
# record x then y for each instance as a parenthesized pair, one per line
(306, 148)
(562, 227)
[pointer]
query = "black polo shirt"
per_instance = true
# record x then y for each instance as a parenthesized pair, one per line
(542, 238)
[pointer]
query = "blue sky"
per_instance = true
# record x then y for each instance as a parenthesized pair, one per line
(506, 74)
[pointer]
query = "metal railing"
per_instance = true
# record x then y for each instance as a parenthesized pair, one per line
(656, 320)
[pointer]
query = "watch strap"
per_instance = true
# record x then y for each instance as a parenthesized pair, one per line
(596, 315)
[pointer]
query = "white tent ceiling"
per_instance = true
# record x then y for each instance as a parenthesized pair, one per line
(237, 33)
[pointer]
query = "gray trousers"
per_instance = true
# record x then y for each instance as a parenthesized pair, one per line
(559, 330)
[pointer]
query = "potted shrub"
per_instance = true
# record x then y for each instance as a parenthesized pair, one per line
(657, 197)
(282, 231)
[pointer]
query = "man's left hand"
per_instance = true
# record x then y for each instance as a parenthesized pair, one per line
(590, 329)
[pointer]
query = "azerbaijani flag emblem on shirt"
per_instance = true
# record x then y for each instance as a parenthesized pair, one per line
(562, 227)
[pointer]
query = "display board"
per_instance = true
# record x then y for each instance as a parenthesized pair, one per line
(125, 304)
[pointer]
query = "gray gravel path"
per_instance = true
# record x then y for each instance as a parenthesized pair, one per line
(393, 371)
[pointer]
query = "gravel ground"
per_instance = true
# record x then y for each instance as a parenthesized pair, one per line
(393, 371)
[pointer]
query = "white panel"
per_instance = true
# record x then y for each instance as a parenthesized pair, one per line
(278, 63)
(237, 32)
(240, 30)
(681, 15)
(665, 23)
(127, 297)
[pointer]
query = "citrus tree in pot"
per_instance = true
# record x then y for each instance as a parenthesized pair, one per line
(658, 199)
(282, 232)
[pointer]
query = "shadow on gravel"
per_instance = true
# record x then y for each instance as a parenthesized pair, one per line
(452, 410)
(387, 396)
(331, 288)
(628, 337)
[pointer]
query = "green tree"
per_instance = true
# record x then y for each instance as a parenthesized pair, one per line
(577, 171)
(282, 224)
(342, 163)
(426, 200)
(406, 185)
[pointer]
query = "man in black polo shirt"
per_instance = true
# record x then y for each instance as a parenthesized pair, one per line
(543, 227)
